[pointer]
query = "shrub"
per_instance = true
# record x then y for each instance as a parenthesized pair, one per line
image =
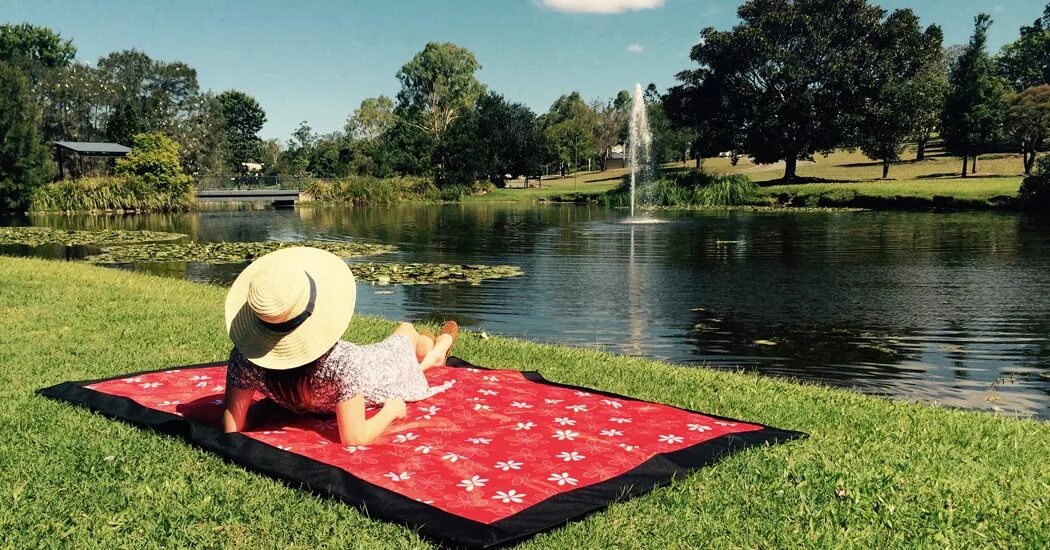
(690, 189)
(732, 190)
(108, 193)
(154, 159)
(1034, 193)
(362, 190)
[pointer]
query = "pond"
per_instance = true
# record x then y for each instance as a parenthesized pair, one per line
(945, 307)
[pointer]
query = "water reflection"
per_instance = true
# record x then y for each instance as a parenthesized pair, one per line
(937, 307)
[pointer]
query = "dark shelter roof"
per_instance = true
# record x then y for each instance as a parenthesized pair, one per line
(88, 148)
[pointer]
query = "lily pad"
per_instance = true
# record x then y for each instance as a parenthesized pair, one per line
(36, 236)
(429, 274)
(224, 253)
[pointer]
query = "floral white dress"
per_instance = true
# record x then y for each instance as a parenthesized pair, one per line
(378, 372)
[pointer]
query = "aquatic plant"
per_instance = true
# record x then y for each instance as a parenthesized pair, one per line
(224, 252)
(685, 190)
(36, 236)
(111, 193)
(424, 274)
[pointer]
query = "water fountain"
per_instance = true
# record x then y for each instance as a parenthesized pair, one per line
(639, 145)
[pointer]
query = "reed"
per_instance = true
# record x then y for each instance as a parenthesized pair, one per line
(110, 193)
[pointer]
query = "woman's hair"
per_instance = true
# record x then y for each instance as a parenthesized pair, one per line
(292, 386)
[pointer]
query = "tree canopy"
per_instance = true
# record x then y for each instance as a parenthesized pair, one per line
(438, 85)
(242, 119)
(22, 153)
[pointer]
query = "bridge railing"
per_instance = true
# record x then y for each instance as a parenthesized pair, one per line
(238, 181)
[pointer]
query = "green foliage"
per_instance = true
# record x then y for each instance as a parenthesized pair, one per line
(33, 49)
(1028, 121)
(790, 83)
(894, 113)
(1026, 61)
(117, 193)
(373, 118)
(367, 190)
(437, 86)
(242, 119)
(686, 190)
(22, 154)
(1034, 193)
(569, 132)
(974, 107)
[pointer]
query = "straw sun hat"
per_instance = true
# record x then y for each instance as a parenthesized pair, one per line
(290, 306)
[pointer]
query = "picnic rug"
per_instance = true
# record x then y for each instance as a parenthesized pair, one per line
(498, 457)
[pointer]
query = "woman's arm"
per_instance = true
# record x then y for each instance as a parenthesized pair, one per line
(355, 430)
(237, 402)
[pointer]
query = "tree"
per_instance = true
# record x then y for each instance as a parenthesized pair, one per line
(22, 155)
(1026, 62)
(437, 86)
(892, 112)
(569, 132)
(697, 105)
(242, 119)
(610, 122)
(794, 74)
(34, 50)
(374, 117)
(508, 139)
(973, 108)
(927, 91)
(155, 159)
(1028, 121)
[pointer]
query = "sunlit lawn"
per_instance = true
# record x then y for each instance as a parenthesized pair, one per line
(875, 473)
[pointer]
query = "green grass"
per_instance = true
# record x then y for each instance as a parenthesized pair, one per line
(966, 193)
(584, 183)
(875, 473)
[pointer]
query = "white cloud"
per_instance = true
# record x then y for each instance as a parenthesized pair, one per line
(635, 48)
(601, 6)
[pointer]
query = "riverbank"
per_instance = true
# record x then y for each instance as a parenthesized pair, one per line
(874, 473)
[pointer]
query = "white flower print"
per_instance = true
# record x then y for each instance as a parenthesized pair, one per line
(218, 389)
(429, 412)
(490, 378)
(403, 476)
(509, 465)
(582, 393)
(199, 377)
(611, 403)
(520, 405)
(509, 496)
(670, 438)
(452, 457)
(480, 407)
(284, 448)
(217, 402)
(724, 423)
(627, 447)
(562, 478)
(488, 392)
(611, 433)
(565, 435)
(472, 483)
(565, 421)
(698, 427)
(405, 437)
(134, 380)
(150, 385)
(619, 420)
(167, 403)
(570, 456)
(355, 448)
(524, 426)
(268, 432)
(553, 401)
(425, 449)
(577, 408)
(479, 440)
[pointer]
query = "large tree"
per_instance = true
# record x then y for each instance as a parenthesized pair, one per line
(974, 107)
(610, 122)
(569, 132)
(438, 86)
(22, 153)
(509, 140)
(892, 112)
(34, 50)
(242, 119)
(1028, 121)
(696, 105)
(1026, 62)
(147, 95)
(927, 90)
(374, 117)
(794, 74)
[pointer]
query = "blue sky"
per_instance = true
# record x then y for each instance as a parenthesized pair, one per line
(316, 60)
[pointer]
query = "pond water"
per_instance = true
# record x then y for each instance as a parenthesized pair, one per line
(952, 308)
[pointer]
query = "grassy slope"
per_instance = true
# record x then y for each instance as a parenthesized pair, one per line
(584, 182)
(875, 473)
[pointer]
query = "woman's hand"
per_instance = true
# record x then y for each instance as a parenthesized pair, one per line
(397, 408)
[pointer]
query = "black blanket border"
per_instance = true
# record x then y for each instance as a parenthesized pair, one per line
(380, 503)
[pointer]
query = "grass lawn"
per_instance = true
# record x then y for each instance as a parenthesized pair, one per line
(875, 473)
(584, 183)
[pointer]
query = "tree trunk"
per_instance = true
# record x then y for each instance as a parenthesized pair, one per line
(1029, 160)
(790, 164)
(698, 163)
(965, 158)
(973, 167)
(885, 168)
(920, 149)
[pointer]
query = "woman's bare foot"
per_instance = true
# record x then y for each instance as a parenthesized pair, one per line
(442, 346)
